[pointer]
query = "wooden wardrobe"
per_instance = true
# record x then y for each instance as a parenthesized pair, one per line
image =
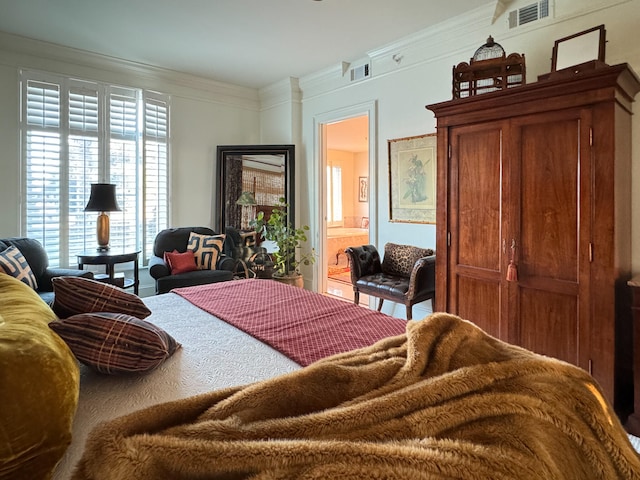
(534, 218)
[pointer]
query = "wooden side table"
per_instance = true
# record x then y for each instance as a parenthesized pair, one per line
(633, 422)
(109, 259)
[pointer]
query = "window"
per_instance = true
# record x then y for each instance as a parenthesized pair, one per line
(75, 133)
(334, 195)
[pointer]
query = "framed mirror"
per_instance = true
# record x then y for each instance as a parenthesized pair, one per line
(579, 48)
(250, 179)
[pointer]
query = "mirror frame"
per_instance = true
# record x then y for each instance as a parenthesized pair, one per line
(579, 48)
(225, 151)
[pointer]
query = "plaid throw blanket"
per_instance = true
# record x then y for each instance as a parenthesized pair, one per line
(443, 401)
(303, 325)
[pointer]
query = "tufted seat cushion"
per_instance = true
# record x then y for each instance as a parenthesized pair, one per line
(39, 385)
(391, 285)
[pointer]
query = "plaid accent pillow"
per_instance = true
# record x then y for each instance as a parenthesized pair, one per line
(13, 263)
(75, 295)
(114, 343)
(206, 249)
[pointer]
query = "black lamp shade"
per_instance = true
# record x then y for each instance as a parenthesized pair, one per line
(103, 198)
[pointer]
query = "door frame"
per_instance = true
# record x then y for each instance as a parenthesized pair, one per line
(368, 109)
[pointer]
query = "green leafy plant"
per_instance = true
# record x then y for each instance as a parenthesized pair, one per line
(289, 255)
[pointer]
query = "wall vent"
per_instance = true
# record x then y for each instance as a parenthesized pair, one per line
(529, 13)
(361, 72)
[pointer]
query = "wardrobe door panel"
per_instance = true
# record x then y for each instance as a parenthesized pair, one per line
(475, 203)
(479, 198)
(551, 230)
(549, 200)
(479, 301)
(549, 324)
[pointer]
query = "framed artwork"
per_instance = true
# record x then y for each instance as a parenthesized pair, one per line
(363, 189)
(579, 48)
(412, 179)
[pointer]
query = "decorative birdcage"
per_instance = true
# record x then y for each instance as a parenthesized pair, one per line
(489, 70)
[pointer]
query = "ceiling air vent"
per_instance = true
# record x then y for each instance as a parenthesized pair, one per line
(359, 73)
(529, 14)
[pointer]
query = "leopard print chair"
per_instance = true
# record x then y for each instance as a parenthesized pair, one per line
(406, 275)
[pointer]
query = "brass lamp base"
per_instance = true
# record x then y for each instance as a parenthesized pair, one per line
(102, 232)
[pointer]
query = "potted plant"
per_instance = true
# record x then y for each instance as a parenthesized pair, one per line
(289, 256)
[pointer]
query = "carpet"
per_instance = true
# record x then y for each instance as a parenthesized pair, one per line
(340, 273)
(337, 269)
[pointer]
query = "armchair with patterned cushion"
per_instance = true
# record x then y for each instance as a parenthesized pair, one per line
(406, 274)
(27, 260)
(242, 247)
(177, 263)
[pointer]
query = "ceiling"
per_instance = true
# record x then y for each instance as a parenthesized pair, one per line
(253, 43)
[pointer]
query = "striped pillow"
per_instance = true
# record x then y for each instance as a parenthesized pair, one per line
(206, 249)
(13, 263)
(73, 295)
(114, 343)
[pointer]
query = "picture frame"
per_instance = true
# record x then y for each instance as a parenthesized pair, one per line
(580, 48)
(363, 189)
(412, 179)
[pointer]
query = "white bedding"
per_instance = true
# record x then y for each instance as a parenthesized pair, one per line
(214, 355)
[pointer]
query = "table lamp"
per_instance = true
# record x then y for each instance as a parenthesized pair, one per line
(103, 200)
(248, 202)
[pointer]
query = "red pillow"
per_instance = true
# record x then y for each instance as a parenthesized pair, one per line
(180, 262)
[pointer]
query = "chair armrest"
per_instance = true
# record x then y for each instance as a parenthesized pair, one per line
(226, 263)
(158, 268)
(423, 276)
(44, 282)
(364, 260)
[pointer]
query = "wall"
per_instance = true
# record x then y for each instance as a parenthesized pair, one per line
(207, 113)
(423, 75)
(204, 114)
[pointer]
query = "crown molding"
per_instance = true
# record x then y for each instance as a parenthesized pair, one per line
(24, 52)
(408, 51)
(283, 92)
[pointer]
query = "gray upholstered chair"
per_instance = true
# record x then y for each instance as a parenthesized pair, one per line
(406, 274)
(38, 260)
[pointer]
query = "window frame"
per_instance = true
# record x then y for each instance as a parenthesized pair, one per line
(133, 135)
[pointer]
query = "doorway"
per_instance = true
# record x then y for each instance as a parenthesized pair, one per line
(346, 161)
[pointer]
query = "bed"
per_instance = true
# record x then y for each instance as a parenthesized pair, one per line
(214, 355)
(339, 238)
(393, 383)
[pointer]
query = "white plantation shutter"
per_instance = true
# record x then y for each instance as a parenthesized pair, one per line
(83, 158)
(156, 135)
(125, 156)
(76, 133)
(42, 145)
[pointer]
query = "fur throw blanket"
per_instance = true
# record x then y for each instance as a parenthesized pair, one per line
(443, 401)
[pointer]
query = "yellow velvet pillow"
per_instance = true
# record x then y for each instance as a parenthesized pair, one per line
(39, 385)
